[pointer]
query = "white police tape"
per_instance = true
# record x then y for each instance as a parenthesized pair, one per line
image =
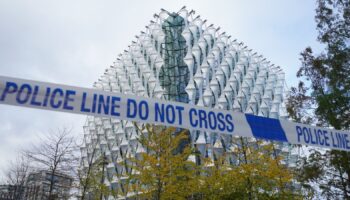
(56, 97)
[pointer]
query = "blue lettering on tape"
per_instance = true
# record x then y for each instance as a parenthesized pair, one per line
(131, 108)
(23, 94)
(114, 106)
(35, 93)
(92, 102)
(180, 109)
(144, 110)
(56, 92)
(193, 120)
(10, 87)
(69, 98)
(83, 107)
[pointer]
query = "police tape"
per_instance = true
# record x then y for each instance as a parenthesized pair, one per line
(57, 97)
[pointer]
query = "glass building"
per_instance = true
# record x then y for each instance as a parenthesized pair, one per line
(180, 57)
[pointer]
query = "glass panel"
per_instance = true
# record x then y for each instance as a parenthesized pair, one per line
(174, 74)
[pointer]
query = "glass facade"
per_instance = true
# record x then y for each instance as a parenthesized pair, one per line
(174, 74)
(180, 57)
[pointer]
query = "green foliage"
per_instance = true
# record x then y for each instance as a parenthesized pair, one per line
(163, 171)
(258, 176)
(329, 71)
(93, 181)
(327, 100)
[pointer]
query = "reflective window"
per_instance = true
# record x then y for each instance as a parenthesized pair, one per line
(174, 74)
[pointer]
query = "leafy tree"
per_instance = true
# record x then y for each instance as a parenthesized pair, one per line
(91, 173)
(325, 96)
(92, 180)
(259, 175)
(163, 171)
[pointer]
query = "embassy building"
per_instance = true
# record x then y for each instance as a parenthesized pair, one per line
(179, 57)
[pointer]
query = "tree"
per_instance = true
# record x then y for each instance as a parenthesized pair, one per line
(91, 171)
(163, 171)
(91, 178)
(259, 175)
(56, 154)
(92, 183)
(16, 175)
(88, 173)
(17, 171)
(325, 96)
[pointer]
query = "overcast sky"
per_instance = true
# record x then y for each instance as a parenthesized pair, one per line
(72, 42)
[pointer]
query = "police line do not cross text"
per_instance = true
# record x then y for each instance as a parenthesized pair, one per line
(57, 97)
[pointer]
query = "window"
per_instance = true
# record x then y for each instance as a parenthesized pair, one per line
(195, 64)
(210, 73)
(214, 99)
(201, 56)
(219, 91)
(174, 74)
(156, 44)
(206, 49)
(196, 99)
